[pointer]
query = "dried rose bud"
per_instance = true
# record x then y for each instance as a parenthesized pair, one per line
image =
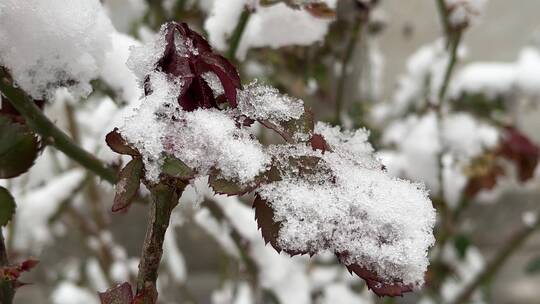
(189, 58)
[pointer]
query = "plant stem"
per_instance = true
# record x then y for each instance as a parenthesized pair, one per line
(349, 51)
(495, 264)
(454, 39)
(50, 133)
(7, 288)
(237, 34)
(164, 199)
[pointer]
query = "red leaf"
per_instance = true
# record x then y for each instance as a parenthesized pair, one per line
(319, 143)
(518, 148)
(225, 71)
(118, 144)
(379, 286)
(128, 184)
(120, 294)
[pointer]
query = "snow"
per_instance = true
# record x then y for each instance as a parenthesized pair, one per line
(210, 138)
(464, 12)
(416, 140)
(258, 101)
(501, 79)
(342, 294)
(143, 58)
(354, 211)
(529, 218)
(69, 293)
(268, 26)
(52, 44)
(203, 139)
(115, 71)
(173, 257)
(421, 81)
(46, 199)
(466, 270)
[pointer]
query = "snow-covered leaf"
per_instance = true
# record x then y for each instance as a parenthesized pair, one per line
(176, 168)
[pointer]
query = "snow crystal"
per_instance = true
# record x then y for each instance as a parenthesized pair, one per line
(384, 224)
(214, 83)
(274, 26)
(51, 44)
(144, 129)
(349, 144)
(207, 138)
(144, 58)
(258, 101)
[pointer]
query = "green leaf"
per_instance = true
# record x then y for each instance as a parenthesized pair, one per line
(176, 168)
(128, 184)
(19, 148)
(7, 206)
(533, 267)
(461, 243)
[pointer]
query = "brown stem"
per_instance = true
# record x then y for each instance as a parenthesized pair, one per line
(495, 264)
(7, 288)
(356, 34)
(164, 199)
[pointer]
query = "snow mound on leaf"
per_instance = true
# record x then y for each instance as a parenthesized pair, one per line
(203, 139)
(258, 101)
(354, 209)
(51, 44)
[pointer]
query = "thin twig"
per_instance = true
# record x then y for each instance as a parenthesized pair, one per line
(47, 129)
(7, 288)
(495, 264)
(349, 51)
(237, 34)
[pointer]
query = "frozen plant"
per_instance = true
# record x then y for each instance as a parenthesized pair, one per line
(322, 190)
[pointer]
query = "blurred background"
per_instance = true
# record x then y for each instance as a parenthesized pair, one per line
(379, 66)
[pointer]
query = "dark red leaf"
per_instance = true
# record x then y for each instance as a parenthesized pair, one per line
(128, 184)
(225, 71)
(379, 286)
(518, 148)
(118, 144)
(120, 294)
(319, 143)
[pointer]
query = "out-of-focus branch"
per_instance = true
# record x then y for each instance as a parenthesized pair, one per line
(49, 132)
(164, 199)
(355, 36)
(495, 264)
(7, 288)
(237, 34)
